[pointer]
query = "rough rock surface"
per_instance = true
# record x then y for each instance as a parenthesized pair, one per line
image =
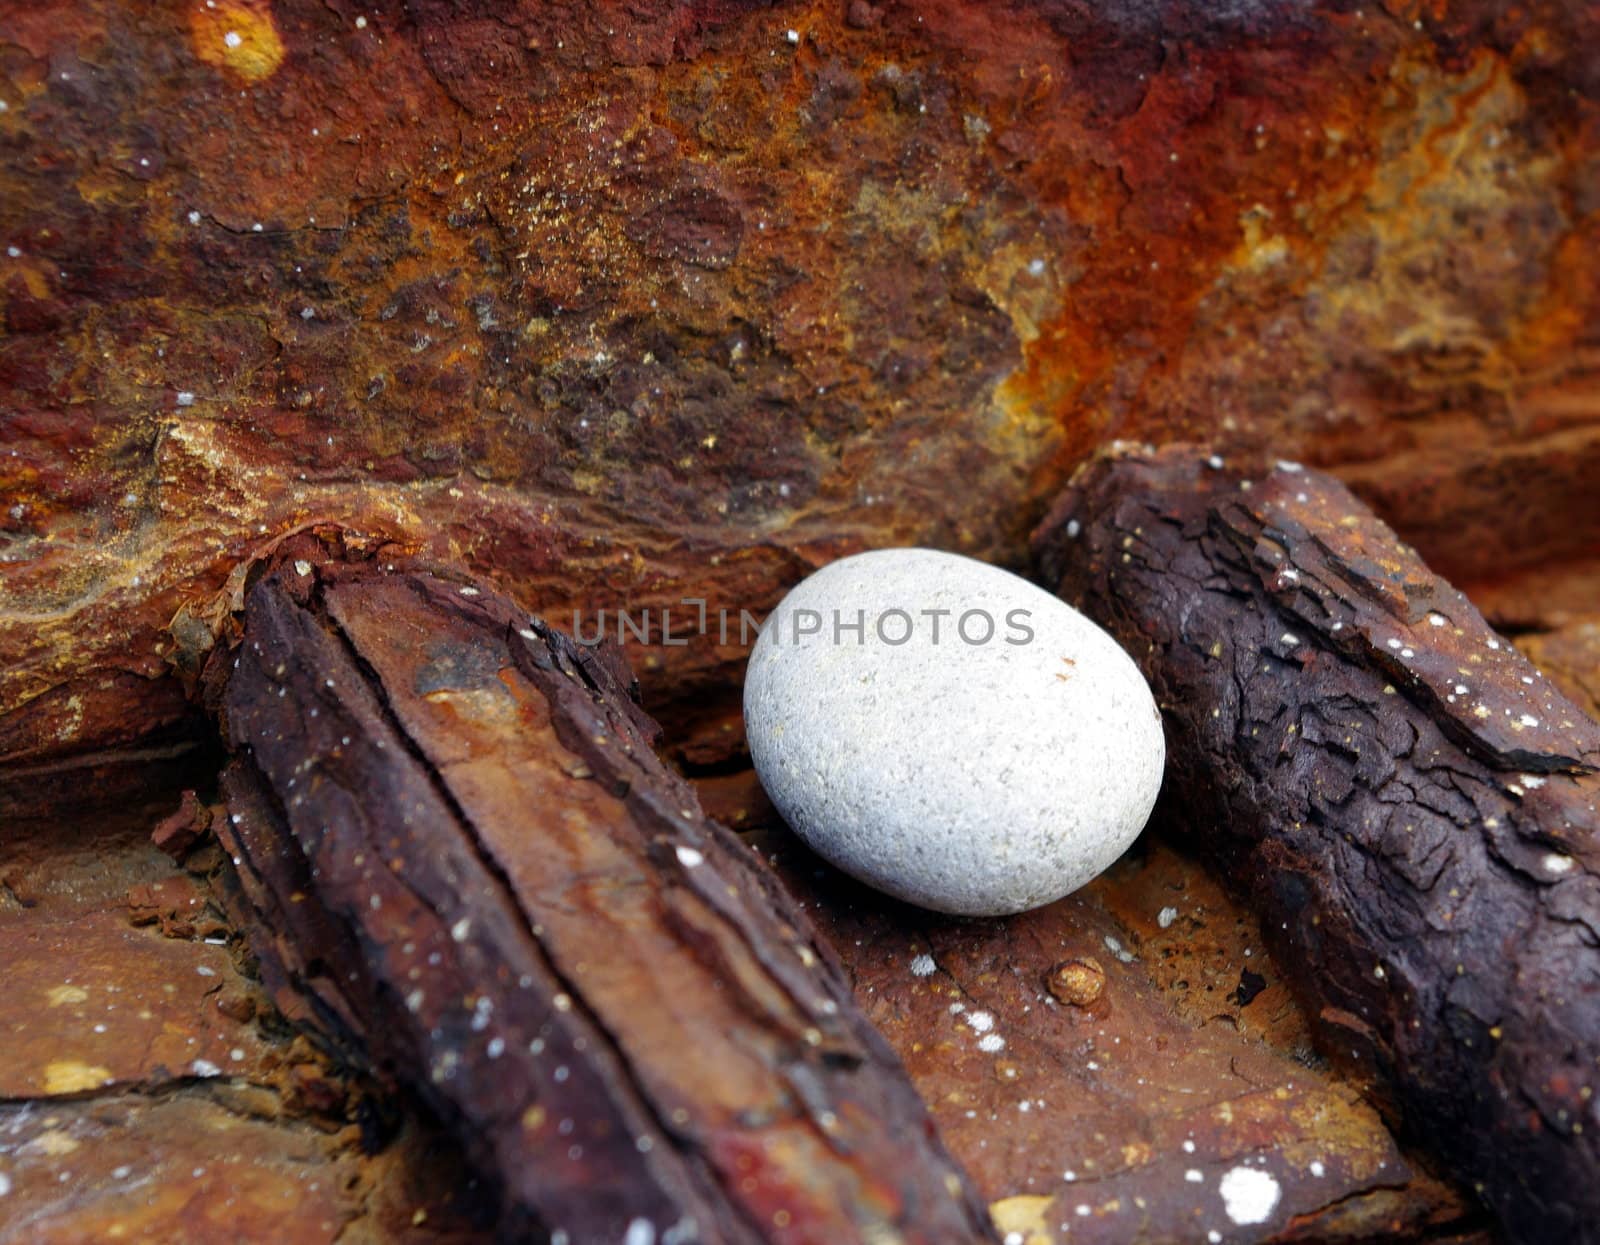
(624, 302)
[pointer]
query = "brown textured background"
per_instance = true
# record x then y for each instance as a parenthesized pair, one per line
(616, 302)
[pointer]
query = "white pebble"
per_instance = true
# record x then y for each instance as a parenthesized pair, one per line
(951, 733)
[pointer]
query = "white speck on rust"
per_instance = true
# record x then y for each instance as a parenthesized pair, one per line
(461, 929)
(204, 1067)
(1531, 781)
(923, 966)
(688, 857)
(1248, 1195)
(1317, 1169)
(302, 567)
(981, 1022)
(1194, 1175)
(1166, 917)
(989, 1043)
(1527, 719)
(1559, 864)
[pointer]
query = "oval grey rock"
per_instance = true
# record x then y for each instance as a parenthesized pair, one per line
(950, 733)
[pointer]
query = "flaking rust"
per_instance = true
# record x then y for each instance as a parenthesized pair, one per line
(463, 858)
(1408, 801)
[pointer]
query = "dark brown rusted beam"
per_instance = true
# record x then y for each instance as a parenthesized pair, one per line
(1408, 801)
(466, 863)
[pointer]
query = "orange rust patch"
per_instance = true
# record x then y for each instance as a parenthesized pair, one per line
(237, 36)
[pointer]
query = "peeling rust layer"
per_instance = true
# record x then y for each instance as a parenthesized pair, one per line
(463, 857)
(1410, 803)
(618, 303)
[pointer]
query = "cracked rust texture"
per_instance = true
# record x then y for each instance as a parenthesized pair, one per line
(463, 862)
(616, 303)
(1408, 802)
(1091, 1065)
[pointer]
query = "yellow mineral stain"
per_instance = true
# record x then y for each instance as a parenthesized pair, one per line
(53, 1144)
(65, 996)
(1027, 1216)
(69, 1076)
(238, 36)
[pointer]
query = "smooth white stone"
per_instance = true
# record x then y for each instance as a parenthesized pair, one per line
(972, 778)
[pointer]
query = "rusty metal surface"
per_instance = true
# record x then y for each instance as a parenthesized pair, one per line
(147, 1089)
(129, 1167)
(1570, 656)
(621, 302)
(1093, 1066)
(1409, 802)
(463, 862)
